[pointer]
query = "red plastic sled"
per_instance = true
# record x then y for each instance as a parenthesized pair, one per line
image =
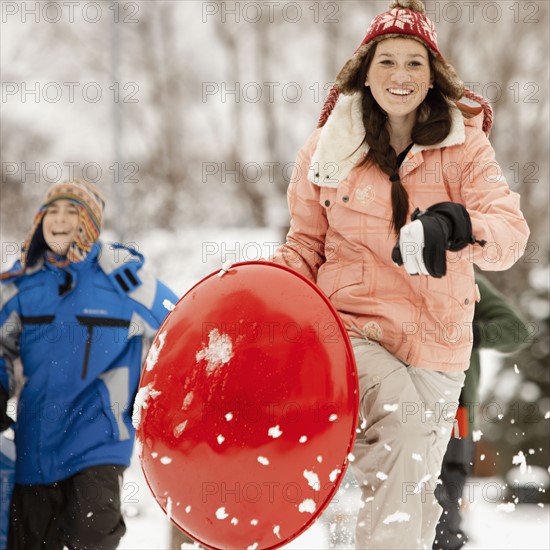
(247, 408)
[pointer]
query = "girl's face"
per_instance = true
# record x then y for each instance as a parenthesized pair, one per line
(60, 225)
(399, 77)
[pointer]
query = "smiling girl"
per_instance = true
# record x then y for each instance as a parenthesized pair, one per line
(398, 180)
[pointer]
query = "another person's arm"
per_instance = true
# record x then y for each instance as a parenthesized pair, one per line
(497, 325)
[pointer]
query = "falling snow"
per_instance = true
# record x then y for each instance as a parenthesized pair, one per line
(397, 517)
(519, 459)
(424, 480)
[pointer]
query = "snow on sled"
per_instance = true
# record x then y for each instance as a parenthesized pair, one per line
(247, 407)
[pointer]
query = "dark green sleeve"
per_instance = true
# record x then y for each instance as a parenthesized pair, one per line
(499, 325)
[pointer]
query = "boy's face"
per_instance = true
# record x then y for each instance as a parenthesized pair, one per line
(60, 225)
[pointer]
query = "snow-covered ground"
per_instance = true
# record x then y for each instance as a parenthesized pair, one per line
(490, 524)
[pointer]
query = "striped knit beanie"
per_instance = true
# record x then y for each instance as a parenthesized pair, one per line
(90, 203)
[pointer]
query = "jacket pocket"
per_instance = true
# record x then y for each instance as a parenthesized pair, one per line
(114, 391)
(456, 287)
(339, 275)
(107, 412)
(450, 301)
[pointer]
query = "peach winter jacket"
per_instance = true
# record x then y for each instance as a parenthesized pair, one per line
(340, 235)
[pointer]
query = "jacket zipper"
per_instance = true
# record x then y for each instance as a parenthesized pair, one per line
(90, 323)
(87, 351)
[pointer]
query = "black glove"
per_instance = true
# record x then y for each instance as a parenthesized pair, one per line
(422, 243)
(5, 420)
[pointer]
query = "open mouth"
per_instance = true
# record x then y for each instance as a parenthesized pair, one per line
(400, 91)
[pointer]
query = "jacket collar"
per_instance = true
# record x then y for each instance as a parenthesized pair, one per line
(115, 256)
(341, 147)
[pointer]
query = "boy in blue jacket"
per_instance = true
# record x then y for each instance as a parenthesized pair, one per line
(76, 312)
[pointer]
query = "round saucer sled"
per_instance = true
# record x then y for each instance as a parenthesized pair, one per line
(247, 407)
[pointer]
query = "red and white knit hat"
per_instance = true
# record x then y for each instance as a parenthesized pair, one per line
(90, 203)
(404, 18)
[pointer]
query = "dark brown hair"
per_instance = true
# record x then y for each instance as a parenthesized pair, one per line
(432, 126)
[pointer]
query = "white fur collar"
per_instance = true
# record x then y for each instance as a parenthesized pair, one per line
(340, 145)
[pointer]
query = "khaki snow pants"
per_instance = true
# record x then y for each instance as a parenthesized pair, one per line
(406, 418)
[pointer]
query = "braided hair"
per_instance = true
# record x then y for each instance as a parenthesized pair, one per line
(432, 126)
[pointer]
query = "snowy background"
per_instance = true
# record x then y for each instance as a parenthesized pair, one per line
(188, 115)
